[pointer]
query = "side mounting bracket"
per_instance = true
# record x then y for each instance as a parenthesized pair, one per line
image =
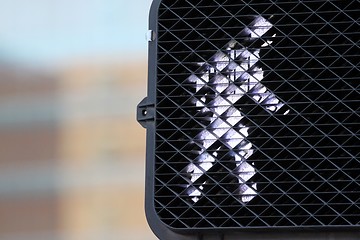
(145, 112)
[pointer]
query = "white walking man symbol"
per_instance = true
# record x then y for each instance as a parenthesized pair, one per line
(232, 74)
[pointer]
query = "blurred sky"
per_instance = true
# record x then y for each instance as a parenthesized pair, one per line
(46, 32)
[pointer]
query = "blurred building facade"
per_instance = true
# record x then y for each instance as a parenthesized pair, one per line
(72, 153)
(29, 136)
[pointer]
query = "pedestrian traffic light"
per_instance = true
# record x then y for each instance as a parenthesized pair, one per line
(252, 119)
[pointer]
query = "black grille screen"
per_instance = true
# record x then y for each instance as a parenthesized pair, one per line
(257, 113)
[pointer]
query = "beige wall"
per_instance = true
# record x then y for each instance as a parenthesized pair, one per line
(72, 154)
(103, 143)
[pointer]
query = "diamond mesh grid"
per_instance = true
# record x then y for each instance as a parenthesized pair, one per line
(257, 114)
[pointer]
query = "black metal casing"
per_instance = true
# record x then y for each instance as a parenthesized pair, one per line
(268, 93)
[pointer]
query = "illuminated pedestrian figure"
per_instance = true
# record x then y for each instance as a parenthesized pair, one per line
(231, 75)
